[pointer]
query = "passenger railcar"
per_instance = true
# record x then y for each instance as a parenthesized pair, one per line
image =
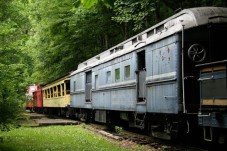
(56, 96)
(30, 102)
(38, 98)
(150, 81)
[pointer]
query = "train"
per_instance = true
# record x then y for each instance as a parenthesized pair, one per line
(30, 100)
(169, 80)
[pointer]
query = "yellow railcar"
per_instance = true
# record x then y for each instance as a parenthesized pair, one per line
(56, 95)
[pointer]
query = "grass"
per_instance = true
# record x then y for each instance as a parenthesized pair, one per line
(56, 138)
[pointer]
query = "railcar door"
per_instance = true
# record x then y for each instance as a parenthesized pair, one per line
(88, 86)
(141, 76)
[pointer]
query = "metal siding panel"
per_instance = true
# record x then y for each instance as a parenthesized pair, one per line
(101, 100)
(164, 59)
(161, 60)
(56, 102)
(161, 57)
(162, 98)
(78, 97)
(123, 99)
(88, 91)
(117, 98)
(72, 100)
(78, 100)
(80, 79)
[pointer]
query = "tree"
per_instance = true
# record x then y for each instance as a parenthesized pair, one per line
(63, 35)
(141, 14)
(12, 61)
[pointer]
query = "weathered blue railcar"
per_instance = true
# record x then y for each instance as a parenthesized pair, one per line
(150, 81)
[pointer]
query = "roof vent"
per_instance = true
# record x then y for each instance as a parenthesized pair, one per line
(98, 57)
(150, 33)
(140, 37)
(111, 51)
(134, 41)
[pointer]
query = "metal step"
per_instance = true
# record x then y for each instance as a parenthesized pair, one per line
(139, 120)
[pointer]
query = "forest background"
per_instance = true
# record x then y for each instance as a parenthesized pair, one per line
(41, 40)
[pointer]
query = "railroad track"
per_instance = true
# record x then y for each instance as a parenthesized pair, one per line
(143, 139)
(139, 138)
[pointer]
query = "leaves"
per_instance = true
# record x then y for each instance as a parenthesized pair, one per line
(12, 62)
(90, 3)
(142, 14)
(62, 36)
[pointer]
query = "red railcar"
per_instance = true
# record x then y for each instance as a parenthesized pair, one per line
(30, 104)
(38, 98)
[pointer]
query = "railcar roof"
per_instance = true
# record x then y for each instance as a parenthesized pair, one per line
(53, 82)
(188, 18)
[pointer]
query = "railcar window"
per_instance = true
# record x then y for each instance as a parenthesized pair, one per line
(117, 74)
(108, 77)
(59, 90)
(55, 91)
(74, 86)
(51, 92)
(127, 72)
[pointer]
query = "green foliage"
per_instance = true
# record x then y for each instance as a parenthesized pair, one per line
(133, 11)
(142, 14)
(90, 3)
(118, 129)
(62, 36)
(13, 27)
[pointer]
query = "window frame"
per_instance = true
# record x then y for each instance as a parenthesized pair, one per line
(127, 75)
(117, 74)
(108, 77)
(74, 86)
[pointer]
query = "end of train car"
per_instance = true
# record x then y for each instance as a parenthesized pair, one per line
(38, 98)
(30, 103)
(213, 101)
